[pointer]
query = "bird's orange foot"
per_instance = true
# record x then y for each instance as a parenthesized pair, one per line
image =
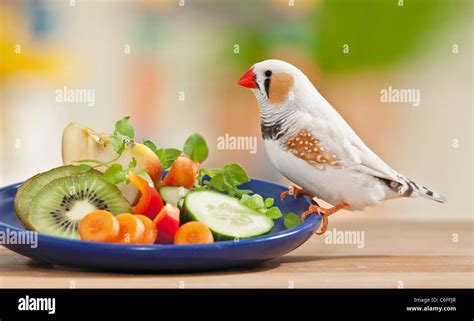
(324, 212)
(295, 191)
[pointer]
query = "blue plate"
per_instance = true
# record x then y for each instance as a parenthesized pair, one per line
(166, 258)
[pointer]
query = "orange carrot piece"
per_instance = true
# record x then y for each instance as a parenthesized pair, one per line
(132, 229)
(151, 232)
(99, 226)
(193, 233)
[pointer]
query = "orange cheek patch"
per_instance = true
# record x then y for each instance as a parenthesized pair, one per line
(280, 87)
(308, 148)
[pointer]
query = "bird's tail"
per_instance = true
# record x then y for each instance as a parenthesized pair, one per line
(414, 189)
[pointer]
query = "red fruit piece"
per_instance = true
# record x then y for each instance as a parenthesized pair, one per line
(167, 223)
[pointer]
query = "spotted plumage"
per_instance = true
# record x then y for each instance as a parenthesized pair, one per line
(308, 148)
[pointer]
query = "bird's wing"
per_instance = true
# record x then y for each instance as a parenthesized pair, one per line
(340, 139)
(368, 162)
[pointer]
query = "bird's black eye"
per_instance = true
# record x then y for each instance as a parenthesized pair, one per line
(268, 73)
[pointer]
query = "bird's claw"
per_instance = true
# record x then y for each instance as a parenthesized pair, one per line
(325, 213)
(295, 191)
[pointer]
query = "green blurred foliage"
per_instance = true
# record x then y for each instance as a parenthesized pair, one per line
(379, 33)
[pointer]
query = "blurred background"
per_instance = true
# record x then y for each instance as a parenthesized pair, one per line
(173, 67)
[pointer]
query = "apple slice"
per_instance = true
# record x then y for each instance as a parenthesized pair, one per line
(81, 143)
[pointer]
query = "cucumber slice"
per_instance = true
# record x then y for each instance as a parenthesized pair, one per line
(172, 194)
(225, 216)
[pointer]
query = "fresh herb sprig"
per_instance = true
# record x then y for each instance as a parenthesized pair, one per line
(195, 148)
(226, 179)
(265, 206)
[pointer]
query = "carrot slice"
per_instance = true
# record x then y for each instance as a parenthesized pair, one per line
(151, 232)
(182, 173)
(193, 233)
(132, 229)
(99, 226)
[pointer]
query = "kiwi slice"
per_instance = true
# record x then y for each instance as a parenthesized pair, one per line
(32, 186)
(60, 206)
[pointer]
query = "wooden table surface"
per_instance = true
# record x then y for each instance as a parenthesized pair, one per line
(395, 254)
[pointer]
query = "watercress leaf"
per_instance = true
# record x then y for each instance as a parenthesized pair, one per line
(167, 156)
(145, 176)
(151, 145)
(133, 163)
(123, 127)
(235, 174)
(217, 182)
(196, 148)
(269, 202)
(241, 192)
(115, 174)
(291, 220)
(244, 199)
(83, 168)
(274, 213)
(258, 200)
(117, 144)
(255, 201)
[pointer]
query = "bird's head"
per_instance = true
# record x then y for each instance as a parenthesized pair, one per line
(275, 83)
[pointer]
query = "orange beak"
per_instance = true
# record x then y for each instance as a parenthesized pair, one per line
(248, 79)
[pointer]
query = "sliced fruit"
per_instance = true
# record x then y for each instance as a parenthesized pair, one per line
(32, 186)
(226, 216)
(193, 233)
(58, 208)
(99, 226)
(151, 232)
(182, 173)
(149, 203)
(132, 230)
(172, 194)
(82, 143)
(167, 223)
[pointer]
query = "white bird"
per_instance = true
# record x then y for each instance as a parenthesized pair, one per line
(310, 143)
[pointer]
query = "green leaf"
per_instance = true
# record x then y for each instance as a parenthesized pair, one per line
(115, 174)
(117, 144)
(217, 182)
(255, 201)
(235, 175)
(147, 177)
(291, 220)
(273, 213)
(133, 163)
(269, 202)
(167, 156)
(123, 127)
(83, 168)
(151, 145)
(196, 148)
